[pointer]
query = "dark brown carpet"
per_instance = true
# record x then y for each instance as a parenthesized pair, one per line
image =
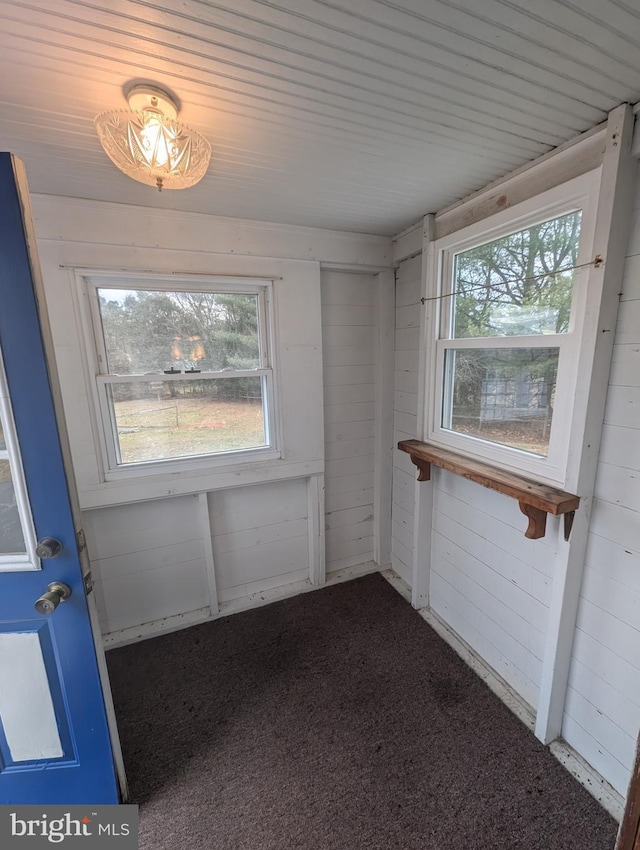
(337, 720)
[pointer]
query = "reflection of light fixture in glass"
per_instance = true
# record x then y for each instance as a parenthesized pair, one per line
(149, 145)
(197, 348)
(176, 350)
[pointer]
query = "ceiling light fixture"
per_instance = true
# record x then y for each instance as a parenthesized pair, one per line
(149, 145)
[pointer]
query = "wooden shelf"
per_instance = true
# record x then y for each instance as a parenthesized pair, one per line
(535, 500)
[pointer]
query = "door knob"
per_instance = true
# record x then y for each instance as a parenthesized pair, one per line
(57, 592)
(48, 547)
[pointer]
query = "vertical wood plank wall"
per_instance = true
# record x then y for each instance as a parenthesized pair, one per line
(147, 560)
(259, 537)
(405, 406)
(488, 583)
(349, 361)
(602, 712)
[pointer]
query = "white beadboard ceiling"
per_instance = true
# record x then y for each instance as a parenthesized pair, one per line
(350, 114)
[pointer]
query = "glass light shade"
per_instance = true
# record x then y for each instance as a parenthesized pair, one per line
(153, 148)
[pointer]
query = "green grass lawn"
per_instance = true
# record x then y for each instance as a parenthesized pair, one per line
(149, 429)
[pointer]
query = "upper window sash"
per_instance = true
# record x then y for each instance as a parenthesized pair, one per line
(260, 287)
(518, 284)
(579, 194)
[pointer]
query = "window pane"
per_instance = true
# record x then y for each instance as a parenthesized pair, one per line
(3, 443)
(11, 537)
(170, 419)
(148, 331)
(520, 284)
(504, 396)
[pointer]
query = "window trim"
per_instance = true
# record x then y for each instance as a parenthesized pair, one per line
(89, 281)
(26, 561)
(578, 193)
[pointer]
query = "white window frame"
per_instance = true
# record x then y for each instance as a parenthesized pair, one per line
(16, 562)
(579, 193)
(112, 470)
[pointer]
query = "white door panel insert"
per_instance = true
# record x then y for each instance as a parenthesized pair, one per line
(26, 706)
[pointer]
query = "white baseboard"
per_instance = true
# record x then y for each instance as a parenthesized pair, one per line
(397, 582)
(586, 775)
(112, 640)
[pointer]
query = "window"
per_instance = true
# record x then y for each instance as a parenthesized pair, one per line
(184, 371)
(507, 324)
(17, 534)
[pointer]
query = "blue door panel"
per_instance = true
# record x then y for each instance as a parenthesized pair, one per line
(85, 774)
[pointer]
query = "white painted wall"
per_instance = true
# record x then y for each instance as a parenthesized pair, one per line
(348, 343)
(405, 407)
(147, 560)
(489, 583)
(259, 536)
(602, 712)
(180, 548)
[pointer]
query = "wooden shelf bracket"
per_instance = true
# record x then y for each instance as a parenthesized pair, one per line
(536, 500)
(537, 520)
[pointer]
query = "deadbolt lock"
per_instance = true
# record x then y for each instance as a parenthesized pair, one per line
(48, 547)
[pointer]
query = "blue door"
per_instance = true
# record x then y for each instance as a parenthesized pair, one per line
(54, 739)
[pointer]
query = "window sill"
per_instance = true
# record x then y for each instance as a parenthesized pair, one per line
(535, 500)
(144, 489)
